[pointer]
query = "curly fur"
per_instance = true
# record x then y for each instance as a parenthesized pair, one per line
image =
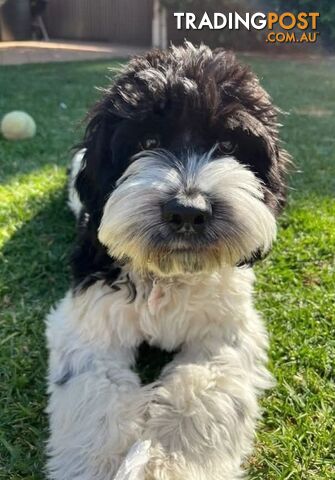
(195, 125)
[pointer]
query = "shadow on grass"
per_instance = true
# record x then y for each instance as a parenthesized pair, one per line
(29, 156)
(33, 276)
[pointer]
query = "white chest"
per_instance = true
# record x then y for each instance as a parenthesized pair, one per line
(165, 313)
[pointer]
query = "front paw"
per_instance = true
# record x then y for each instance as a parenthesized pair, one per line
(200, 418)
(186, 411)
(178, 465)
(164, 466)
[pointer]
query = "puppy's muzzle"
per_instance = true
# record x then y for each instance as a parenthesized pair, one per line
(187, 215)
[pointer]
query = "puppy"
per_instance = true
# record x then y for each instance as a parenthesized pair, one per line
(176, 191)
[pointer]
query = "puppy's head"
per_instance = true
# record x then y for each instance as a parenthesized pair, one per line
(183, 172)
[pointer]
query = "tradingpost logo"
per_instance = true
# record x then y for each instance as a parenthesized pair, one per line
(283, 27)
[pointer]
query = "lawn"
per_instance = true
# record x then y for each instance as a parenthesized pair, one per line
(295, 288)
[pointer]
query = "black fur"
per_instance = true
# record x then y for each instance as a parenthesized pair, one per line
(150, 361)
(189, 99)
(89, 260)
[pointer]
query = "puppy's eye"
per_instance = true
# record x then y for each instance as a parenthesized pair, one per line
(227, 147)
(149, 143)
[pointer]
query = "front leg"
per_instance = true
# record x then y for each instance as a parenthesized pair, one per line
(202, 418)
(96, 407)
(94, 418)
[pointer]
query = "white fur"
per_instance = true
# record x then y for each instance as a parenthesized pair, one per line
(74, 202)
(199, 416)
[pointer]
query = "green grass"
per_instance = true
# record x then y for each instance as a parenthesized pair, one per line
(295, 289)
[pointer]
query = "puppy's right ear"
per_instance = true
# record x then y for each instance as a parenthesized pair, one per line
(97, 174)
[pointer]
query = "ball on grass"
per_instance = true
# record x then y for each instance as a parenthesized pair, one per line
(18, 126)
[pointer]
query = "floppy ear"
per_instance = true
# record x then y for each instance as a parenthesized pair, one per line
(97, 175)
(269, 162)
(276, 195)
(260, 148)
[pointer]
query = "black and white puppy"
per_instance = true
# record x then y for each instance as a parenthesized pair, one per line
(176, 192)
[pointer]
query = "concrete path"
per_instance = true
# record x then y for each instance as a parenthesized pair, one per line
(17, 53)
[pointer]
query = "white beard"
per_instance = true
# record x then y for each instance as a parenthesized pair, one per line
(132, 214)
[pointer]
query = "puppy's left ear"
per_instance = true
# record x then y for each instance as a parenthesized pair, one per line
(275, 194)
(278, 160)
(98, 173)
(261, 149)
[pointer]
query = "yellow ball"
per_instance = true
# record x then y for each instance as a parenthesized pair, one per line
(18, 125)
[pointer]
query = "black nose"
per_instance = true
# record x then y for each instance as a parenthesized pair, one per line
(191, 216)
